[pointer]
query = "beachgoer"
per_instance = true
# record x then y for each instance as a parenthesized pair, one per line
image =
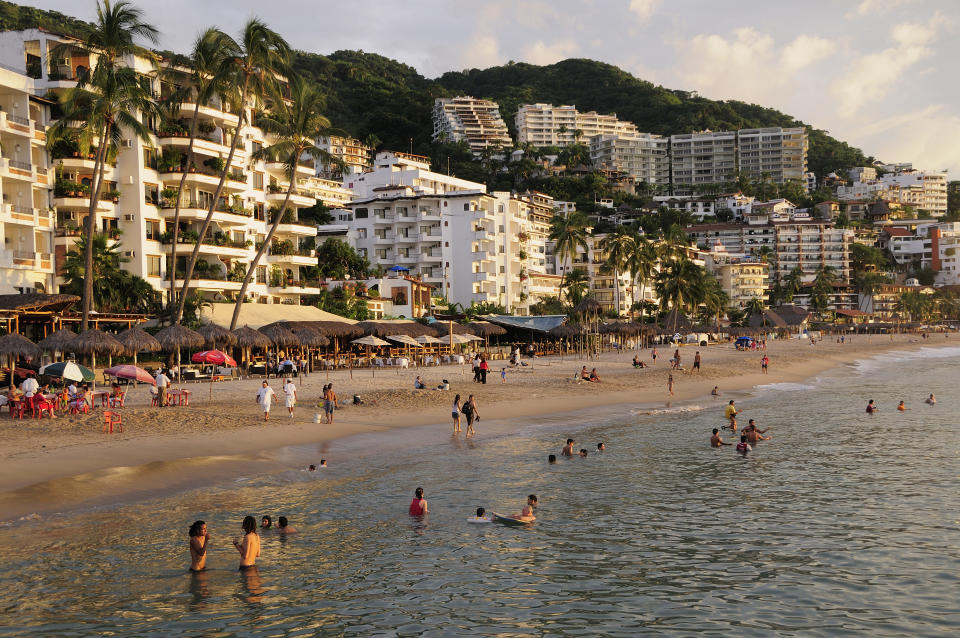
(730, 413)
(484, 369)
(764, 362)
(636, 361)
(249, 548)
(418, 506)
(323, 462)
(455, 411)
(265, 398)
(470, 411)
(162, 382)
(551, 458)
(584, 374)
(290, 395)
(199, 543)
(418, 383)
(931, 400)
(481, 517)
(753, 434)
(266, 522)
(329, 403)
(696, 362)
(676, 359)
(567, 449)
(526, 514)
(601, 447)
(716, 441)
(670, 384)
(476, 368)
(743, 447)
(594, 377)
(284, 527)
(715, 393)
(311, 468)
(653, 354)
(583, 452)
(871, 408)
(902, 406)
(532, 501)
(29, 387)
(503, 375)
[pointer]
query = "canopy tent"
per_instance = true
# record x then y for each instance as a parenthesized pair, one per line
(257, 315)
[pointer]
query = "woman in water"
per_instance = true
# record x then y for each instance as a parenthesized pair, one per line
(455, 412)
(199, 543)
(249, 547)
(418, 506)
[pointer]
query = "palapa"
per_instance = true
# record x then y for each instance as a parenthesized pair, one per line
(280, 336)
(57, 341)
(486, 329)
(137, 340)
(565, 330)
(444, 328)
(387, 328)
(94, 342)
(13, 346)
(589, 306)
(310, 338)
(177, 336)
(332, 328)
(247, 337)
(216, 336)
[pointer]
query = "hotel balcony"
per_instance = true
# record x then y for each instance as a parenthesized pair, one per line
(27, 260)
(82, 203)
(298, 198)
(296, 288)
(26, 216)
(280, 169)
(209, 248)
(431, 256)
(296, 228)
(408, 238)
(204, 282)
(195, 211)
(230, 119)
(300, 258)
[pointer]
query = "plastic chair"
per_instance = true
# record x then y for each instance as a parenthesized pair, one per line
(117, 401)
(41, 405)
(16, 409)
(111, 419)
(79, 405)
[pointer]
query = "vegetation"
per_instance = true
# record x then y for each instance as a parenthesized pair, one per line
(337, 259)
(114, 289)
(344, 301)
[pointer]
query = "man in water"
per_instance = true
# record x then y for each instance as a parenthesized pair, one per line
(199, 543)
(601, 447)
(284, 527)
(418, 506)
(583, 452)
(567, 449)
(902, 406)
(931, 400)
(715, 440)
(730, 413)
(753, 434)
(871, 408)
(552, 459)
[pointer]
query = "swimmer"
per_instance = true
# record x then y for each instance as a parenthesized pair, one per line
(931, 400)
(567, 449)
(199, 543)
(552, 459)
(249, 548)
(312, 468)
(716, 441)
(730, 413)
(266, 522)
(418, 506)
(902, 407)
(743, 447)
(284, 526)
(753, 434)
(871, 408)
(532, 501)
(601, 447)
(526, 514)
(583, 452)
(715, 393)
(481, 517)
(323, 462)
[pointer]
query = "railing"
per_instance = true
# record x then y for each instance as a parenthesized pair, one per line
(26, 166)
(23, 210)
(19, 120)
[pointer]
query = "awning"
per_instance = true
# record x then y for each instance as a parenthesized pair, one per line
(538, 323)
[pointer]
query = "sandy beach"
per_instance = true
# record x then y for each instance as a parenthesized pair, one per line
(224, 430)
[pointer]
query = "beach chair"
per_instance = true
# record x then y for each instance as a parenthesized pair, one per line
(117, 401)
(41, 405)
(111, 420)
(16, 409)
(79, 405)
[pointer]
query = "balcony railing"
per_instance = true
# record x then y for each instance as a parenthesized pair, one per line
(26, 166)
(19, 120)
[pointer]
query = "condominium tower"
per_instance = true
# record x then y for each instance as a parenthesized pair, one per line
(548, 125)
(642, 156)
(478, 122)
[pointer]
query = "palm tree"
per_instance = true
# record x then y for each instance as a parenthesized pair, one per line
(820, 297)
(568, 234)
(642, 263)
(107, 101)
(206, 65)
(249, 69)
(680, 285)
(713, 297)
(866, 283)
(114, 290)
(794, 280)
(755, 307)
(577, 285)
(295, 126)
(618, 245)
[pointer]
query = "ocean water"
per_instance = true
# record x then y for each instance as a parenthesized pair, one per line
(842, 524)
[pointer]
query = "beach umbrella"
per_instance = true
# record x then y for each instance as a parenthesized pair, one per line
(174, 337)
(69, 371)
(248, 338)
(14, 346)
(310, 337)
(427, 339)
(215, 336)
(94, 342)
(370, 341)
(137, 340)
(279, 335)
(215, 357)
(130, 372)
(486, 330)
(57, 341)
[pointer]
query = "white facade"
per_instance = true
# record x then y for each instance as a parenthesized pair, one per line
(697, 159)
(548, 125)
(926, 191)
(642, 156)
(478, 122)
(780, 153)
(603, 284)
(355, 154)
(406, 174)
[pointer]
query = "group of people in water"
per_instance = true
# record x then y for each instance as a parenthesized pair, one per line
(248, 546)
(872, 407)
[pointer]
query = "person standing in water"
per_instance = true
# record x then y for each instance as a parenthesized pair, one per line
(469, 410)
(931, 400)
(455, 412)
(418, 506)
(249, 547)
(199, 543)
(871, 408)
(716, 441)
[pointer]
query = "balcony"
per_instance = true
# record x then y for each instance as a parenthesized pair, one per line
(431, 256)
(298, 198)
(280, 168)
(295, 287)
(406, 239)
(26, 216)
(197, 211)
(81, 202)
(27, 260)
(483, 276)
(230, 119)
(15, 124)
(428, 214)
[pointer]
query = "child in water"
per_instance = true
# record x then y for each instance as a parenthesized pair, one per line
(481, 517)
(743, 447)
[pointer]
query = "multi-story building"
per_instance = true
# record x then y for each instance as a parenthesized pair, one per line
(26, 179)
(697, 159)
(743, 277)
(478, 122)
(604, 284)
(642, 156)
(925, 245)
(924, 191)
(549, 125)
(139, 195)
(356, 155)
(779, 153)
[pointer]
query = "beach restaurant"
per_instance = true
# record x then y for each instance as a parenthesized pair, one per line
(36, 315)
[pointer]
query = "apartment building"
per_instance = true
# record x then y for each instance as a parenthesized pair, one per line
(548, 125)
(355, 154)
(642, 156)
(477, 122)
(26, 180)
(780, 153)
(139, 196)
(924, 191)
(743, 277)
(604, 284)
(925, 245)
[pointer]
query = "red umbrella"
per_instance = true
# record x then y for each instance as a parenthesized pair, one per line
(130, 372)
(215, 357)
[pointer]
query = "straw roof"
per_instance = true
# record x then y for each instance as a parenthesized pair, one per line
(624, 328)
(58, 340)
(332, 328)
(280, 336)
(96, 342)
(310, 337)
(444, 327)
(177, 336)
(247, 337)
(387, 328)
(215, 336)
(37, 301)
(565, 330)
(674, 321)
(137, 340)
(15, 345)
(486, 329)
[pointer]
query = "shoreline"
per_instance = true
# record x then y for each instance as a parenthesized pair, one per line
(90, 470)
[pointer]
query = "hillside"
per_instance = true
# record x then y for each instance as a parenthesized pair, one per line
(371, 95)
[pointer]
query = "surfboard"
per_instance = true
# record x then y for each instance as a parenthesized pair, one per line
(508, 520)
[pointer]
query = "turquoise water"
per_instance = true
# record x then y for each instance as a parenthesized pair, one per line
(842, 524)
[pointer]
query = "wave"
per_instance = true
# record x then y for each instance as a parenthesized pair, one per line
(887, 359)
(672, 410)
(785, 387)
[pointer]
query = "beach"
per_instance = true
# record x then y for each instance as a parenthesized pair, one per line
(223, 426)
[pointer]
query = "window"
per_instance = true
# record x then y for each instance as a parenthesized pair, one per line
(150, 158)
(237, 236)
(361, 233)
(153, 265)
(261, 274)
(256, 147)
(153, 232)
(466, 207)
(151, 194)
(360, 213)
(258, 181)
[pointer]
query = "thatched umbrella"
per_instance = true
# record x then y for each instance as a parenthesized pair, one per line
(174, 337)
(565, 331)
(334, 328)
(446, 327)
(57, 341)
(279, 335)
(137, 340)
(216, 336)
(94, 342)
(588, 309)
(14, 346)
(248, 338)
(310, 337)
(486, 330)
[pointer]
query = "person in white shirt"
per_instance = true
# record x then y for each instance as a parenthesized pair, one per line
(162, 382)
(72, 389)
(265, 398)
(290, 395)
(29, 387)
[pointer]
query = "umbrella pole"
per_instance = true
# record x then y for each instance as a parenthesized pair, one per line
(93, 359)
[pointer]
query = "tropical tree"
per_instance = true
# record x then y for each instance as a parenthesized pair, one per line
(822, 291)
(680, 285)
(713, 297)
(793, 282)
(618, 245)
(755, 307)
(577, 285)
(642, 263)
(249, 69)
(569, 233)
(114, 290)
(108, 101)
(295, 126)
(338, 259)
(916, 305)
(206, 65)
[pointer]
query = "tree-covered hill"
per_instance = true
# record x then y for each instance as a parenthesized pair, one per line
(371, 95)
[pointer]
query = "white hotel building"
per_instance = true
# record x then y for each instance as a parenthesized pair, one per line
(549, 125)
(464, 118)
(472, 246)
(137, 206)
(642, 156)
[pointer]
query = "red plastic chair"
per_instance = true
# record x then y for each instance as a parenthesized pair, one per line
(79, 405)
(16, 409)
(111, 420)
(41, 405)
(117, 401)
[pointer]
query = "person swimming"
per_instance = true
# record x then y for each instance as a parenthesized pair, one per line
(284, 526)
(931, 400)
(266, 522)
(871, 408)
(716, 441)
(481, 517)
(199, 544)
(601, 447)
(583, 452)
(743, 447)
(552, 459)
(568, 448)
(902, 407)
(418, 506)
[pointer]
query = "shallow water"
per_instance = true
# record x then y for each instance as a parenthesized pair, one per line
(842, 524)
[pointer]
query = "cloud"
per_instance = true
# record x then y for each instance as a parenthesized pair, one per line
(482, 51)
(875, 7)
(804, 51)
(872, 76)
(917, 137)
(541, 53)
(643, 9)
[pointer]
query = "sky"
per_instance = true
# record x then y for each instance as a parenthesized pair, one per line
(874, 73)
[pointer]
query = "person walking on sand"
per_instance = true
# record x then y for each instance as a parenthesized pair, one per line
(455, 412)
(484, 369)
(249, 547)
(696, 362)
(670, 384)
(290, 395)
(476, 368)
(329, 403)
(265, 398)
(764, 362)
(470, 411)
(418, 506)
(199, 543)
(653, 355)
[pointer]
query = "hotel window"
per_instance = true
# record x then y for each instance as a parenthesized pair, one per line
(237, 236)
(150, 158)
(151, 194)
(153, 230)
(258, 181)
(256, 147)
(261, 274)
(153, 265)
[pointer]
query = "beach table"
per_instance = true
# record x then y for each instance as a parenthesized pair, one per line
(181, 397)
(103, 395)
